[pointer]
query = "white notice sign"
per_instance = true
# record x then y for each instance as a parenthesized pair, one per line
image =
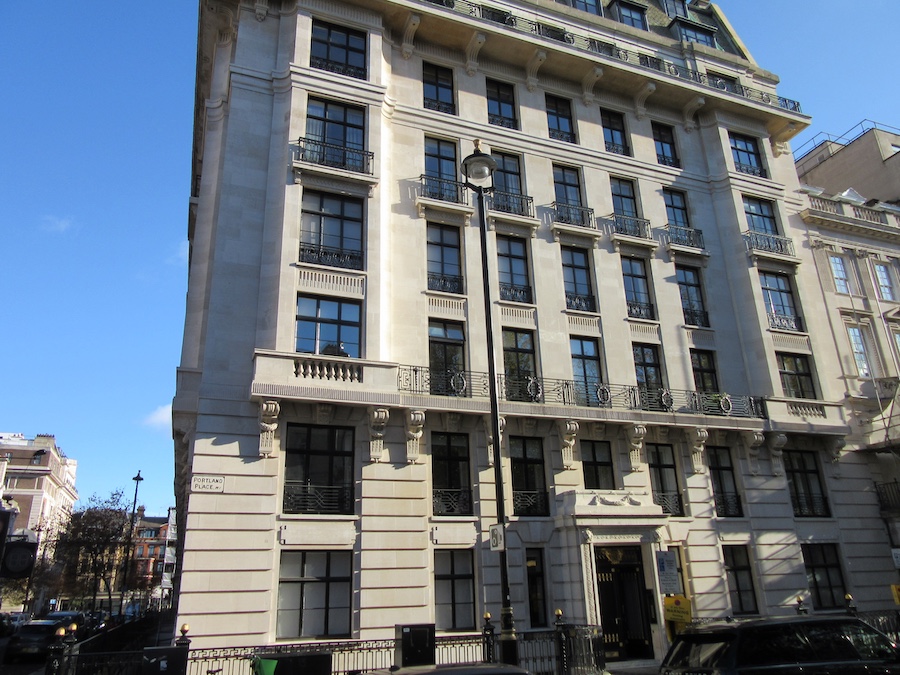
(207, 483)
(667, 565)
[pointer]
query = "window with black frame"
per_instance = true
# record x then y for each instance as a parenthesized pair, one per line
(746, 155)
(637, 289)
(722, 476)
(559, 118)
(454, 589)
(586, 371)
(614, 135)
(338, 49)
(703, 367)
(512, 262)
(451, 480)
(537, 596)
(441, 178)
(739, 576)
(444, 260)
(447, 359)
(804, 480)
(331, 230)
(577, 279)
(335, 136)
(664, 140)
(318, 470)
(508, 195)
(824, 576)
(778, 295)
(693, 306)
(328, 326)
(664, 478)
(796, 375)
(520, 366)
(597, 465)
(501, 102)
(529, 484)
(314, 594)
(437, 85)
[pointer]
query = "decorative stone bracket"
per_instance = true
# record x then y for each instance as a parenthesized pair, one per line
(409, 34)
(268, 423)
(476, 42)
(415, 423)
(635, 434)
(753, 440)
(835, 445)
(534, 64)
(697, 437)
(776, 451)
(568, 430)
(378, 419)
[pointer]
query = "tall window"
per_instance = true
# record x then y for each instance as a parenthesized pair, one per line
(577, 279)
(721, 474)
(597, 465)
(796, 375)
(507, 195)
(805, 484)
(567, 189)
(885, 279)
(839, 273)
(442, 171)
(746, 155)
(450, 476)
(454, 589)
(444, 265)
(559, 118)
(328, 326)
(664, 139)
(664, 478)
(512, 259)
(446, 358)
(318, 470)
(501, 102)
(637, 289)
(624, 200)
(703, 365)
(631, 15)
(338, 49)
(824, 575)
(647, 367)
(335, 135)
(519, 366)
(437, 85)
(614, 132)
(779, 299)
(676, 208)
(760, 215)
(537, 600)
(858, 346)
(529, 486)
(692, 304)
(314, 594)
(331, 229)
(739, 575)
(585, 369)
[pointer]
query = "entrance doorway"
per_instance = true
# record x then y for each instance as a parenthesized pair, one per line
(624, 611)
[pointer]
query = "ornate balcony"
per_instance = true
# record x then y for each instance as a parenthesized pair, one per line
(531, 503)
(641, 310)
(810, 506)
(581, 302)
(338, 67)
(696, 317)
(728, 505)
(670, 502)
(790, 322)
(332, 257)
(446, 283)
(443, 190)
(301, 497)
(515, 293)
(769, 243)
(573, 214)
(508, 202)
(457, 383)
(452, 501)
(751, 169)
(631, 226)
(685, 236)
(335, 156)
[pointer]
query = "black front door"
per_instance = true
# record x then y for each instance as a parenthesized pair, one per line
(624, 613)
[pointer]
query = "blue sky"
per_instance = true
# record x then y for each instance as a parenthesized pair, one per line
(95, 155)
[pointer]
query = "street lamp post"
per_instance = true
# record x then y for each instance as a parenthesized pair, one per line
(480, 166)
(126, 563)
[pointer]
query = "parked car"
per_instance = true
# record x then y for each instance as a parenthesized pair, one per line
(807, 645)
(32, 640)
(67, 618)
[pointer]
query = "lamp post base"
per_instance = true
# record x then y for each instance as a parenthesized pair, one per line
(508, 643)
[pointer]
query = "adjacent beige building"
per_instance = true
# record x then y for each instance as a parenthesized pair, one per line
(674, 409)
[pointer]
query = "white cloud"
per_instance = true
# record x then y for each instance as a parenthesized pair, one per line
(160, 419)
(56, 224)
(180, 256)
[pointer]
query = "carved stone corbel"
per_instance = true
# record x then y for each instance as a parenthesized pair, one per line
(635, 434)
(690, 110)
(640, 99)
(409, 34)
(476, 42)
(776, 452)
(753, 440)
(587, 84)
(378, 419)
(697, 437)
(568, 429)
(268, 423)
(262, 9)
(835, 445)
(324, 413)
(415, 423)
(534, 64)
(489, 435)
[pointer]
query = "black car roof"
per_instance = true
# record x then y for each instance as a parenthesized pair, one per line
(724, 625)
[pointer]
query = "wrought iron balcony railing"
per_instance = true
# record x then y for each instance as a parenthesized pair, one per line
(728, 505)
(668, 160)
(332, 257)
(508, 202)
(670, 502)
(810, 506)
(560, 135)
(443, 190)
(612, 51)
(581, 302)
(573, 214)
(770, 243)
(301, 497)
(515, 293)
(750, 169)
(452, 501)
(335, 156)
(631, 226)
(888, 496)
(790, 322)
(685, 236)
(589, 393)
(447, 283)
(618, 149)
(502, 121)
(696, 317)
(641, 310)
(531, 503)
(337, 67)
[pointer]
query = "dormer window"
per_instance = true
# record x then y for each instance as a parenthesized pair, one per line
(691, 31)
(631, 14)
(675, 8)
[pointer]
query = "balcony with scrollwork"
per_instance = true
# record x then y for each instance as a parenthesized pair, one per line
(339, 67)
(531, 503)
(331, 257)
(728, 505)
(452, 501)
(573, 214)
(696, 317)
(687, 237)
(671, 502)
(751, 169)
(516, 293)
(319, 152)
(443, 190)
(810, 506)
(581, 302)
(641, 310)
(631, 226)
(301, 497)
(888, 496)
(511, 203)
(788, 322)
(455, 383)
(764, 243)
(445, 283)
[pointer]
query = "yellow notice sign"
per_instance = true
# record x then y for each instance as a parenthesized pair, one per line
(895, 589)
(677, 608)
